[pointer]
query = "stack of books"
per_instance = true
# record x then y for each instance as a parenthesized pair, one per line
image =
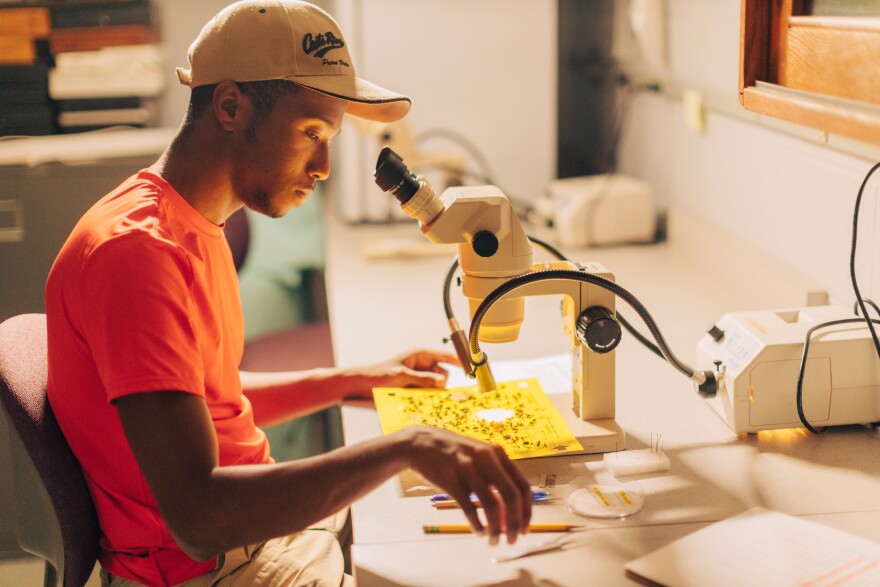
(77, 65)
(25, 58)
(108, 65)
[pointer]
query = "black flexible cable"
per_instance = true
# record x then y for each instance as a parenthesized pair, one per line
(859, 303)
(623, 321)
(852, 259)
(447, 306)
(447, 285)
(447, 282)
(639, 336)
(803, 368)
(567, 274)
(869, 302)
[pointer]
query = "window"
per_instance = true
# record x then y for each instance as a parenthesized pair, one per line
(813, 62)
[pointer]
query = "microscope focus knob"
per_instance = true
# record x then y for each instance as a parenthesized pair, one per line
(598, 329)
(485, 243)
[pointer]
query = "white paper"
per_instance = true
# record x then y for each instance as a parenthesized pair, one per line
(552, 371)
(762, 547)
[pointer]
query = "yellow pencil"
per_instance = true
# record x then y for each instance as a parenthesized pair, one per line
(466, 528)
(448, 504)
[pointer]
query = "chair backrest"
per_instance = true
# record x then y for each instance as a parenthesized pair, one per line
(55, 515)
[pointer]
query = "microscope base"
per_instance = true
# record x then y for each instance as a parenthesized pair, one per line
(596, 436)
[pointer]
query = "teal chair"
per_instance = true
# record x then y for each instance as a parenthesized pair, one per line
(294, 346)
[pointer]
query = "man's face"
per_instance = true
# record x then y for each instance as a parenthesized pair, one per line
(278, 166)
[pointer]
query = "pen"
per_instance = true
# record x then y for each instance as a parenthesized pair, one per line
(466, 528)
(537, 495)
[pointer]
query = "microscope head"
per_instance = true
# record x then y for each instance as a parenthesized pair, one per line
(492, 244)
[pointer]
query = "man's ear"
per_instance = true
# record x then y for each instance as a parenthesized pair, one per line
(231, 107)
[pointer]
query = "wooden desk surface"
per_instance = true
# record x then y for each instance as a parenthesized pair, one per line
(379, 307)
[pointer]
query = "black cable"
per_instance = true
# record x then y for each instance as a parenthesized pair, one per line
(639, 336)
(859, 303)
(550, 249)
(803, 368)
(869, 302)
(447, 306)
(541, 275)
(852, 259)
(447, 282)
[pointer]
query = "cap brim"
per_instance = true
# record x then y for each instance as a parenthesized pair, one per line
(365, 99)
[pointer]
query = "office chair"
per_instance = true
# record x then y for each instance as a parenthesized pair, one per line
(55, 518)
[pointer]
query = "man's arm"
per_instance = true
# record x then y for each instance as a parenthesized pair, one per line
(210, 509)
(277, 397)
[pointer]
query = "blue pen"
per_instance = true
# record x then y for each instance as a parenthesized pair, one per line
(537, 495)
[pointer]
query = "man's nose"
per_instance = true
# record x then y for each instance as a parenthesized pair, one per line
(319, 166)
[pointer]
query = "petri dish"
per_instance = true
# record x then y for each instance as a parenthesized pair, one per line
(616, 497)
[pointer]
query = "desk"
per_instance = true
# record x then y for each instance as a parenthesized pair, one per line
(379, 307)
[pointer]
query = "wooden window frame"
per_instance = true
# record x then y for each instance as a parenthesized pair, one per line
(819, 71)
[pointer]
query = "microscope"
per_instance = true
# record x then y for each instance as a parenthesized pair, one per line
(498, 272)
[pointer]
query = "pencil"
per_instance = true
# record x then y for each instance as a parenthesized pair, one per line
(466, 528)
(448, 504)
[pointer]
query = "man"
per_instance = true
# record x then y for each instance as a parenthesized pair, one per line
(145, 334)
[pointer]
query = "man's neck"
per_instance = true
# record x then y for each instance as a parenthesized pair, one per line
(196, 167)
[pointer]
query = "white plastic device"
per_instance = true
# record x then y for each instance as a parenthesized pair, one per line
(600, 210)
(758, 357)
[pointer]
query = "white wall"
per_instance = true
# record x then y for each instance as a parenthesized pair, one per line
(486, 70)
(791, 197)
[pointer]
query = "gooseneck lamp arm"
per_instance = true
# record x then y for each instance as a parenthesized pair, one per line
(698, 376)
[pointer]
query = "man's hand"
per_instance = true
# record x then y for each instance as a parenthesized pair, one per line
(412, 369)
(460, 466)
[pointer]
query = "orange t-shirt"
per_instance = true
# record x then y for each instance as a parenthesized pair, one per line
(144, 297)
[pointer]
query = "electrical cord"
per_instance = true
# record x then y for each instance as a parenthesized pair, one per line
(447, 282)
(541, 275)
(447, 306)
(803, 368)
(859, 303)
(852, 258)
(870, 303)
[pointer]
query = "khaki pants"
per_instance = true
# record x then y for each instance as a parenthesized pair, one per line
(313, 557)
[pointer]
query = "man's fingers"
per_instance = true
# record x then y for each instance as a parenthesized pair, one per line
(472, 478)
(525, 491)
(462, 496)
(422, 360)
(495, 471)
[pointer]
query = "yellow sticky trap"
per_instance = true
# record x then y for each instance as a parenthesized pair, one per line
(517, 415)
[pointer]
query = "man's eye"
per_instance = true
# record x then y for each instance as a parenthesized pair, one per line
(312, 136)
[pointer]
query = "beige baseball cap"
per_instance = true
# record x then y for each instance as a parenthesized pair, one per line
(256, 40)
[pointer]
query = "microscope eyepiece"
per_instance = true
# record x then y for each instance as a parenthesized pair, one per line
(392, 175)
